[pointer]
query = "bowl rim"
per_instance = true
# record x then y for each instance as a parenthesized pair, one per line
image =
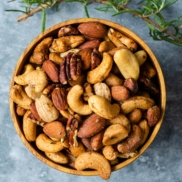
(128, 33)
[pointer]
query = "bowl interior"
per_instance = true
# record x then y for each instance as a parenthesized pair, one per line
(52, 31)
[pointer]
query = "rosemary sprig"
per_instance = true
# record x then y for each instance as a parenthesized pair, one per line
(149, 10)
(151, 13)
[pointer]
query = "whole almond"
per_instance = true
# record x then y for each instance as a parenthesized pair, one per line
(91, 126)
(59, 98)
(90, 44)
(85, 57)
(87, 143)
(55, 129)
(34, 112)
(93, 29)
(96, 141)
(120, 93)
(51, 70)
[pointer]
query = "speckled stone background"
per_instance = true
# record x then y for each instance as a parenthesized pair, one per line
(163, 159)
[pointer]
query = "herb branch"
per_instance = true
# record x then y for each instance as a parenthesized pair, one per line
(148, 10)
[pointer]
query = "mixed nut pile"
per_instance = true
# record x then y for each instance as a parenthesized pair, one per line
(88, 97)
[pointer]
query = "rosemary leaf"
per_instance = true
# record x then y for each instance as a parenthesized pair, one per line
(15, 10)
(171, 2)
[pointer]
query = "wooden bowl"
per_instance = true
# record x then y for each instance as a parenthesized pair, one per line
(17, 121)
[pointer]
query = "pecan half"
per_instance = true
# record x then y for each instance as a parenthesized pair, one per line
(72, 130)
(95, 58)
(71, 68)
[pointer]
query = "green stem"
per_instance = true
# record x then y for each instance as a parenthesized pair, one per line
(86, 10)
(43, 19)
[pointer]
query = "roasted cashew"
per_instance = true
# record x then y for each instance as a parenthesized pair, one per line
(19, 96)
(57, 157)
(106, 46)
(121, 119)
(134, 102)
(45, 144)
(102, 71)
(77, 150)
(20, 79)
(66, 112)
(120, 39)
(102, 107)
(29, 127)
(36, 78)
(94, 160)
(111, 154)
(40, 53)
(30, 91)
(46, 108)
(74, 51)
(55, 57)
(62, 44)
(132, 142)
(114, 134)
(102, 90)
(76, 103)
